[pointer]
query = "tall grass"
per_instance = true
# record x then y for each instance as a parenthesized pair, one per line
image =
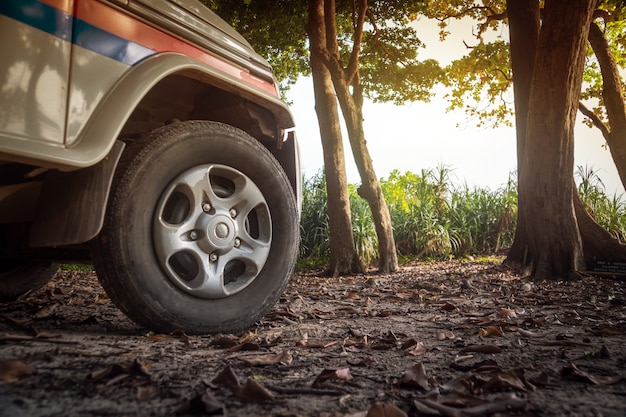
(608, 211)
(433, 218)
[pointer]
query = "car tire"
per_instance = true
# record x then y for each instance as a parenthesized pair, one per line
(17, 279)
(201, 231)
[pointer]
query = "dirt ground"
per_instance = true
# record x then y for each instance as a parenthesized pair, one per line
(458, 338)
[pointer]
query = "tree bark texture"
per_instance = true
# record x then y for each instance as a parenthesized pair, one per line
(524, 23)
(546, 180)
(343, 259)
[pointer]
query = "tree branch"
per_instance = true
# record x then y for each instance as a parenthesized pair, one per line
(359, 18)
(597, 122)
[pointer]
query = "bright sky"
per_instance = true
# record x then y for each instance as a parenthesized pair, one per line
(423, 136)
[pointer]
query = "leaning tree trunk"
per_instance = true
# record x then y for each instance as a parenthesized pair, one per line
(343, 257)
(370, 188)
(598, 244)
(524, 23)
(613, 97)
(546, 180)
(352, 109)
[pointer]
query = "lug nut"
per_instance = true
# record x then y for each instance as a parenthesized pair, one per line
(233, 213)
(206, 207)
(193, 235)
(237, 242)
(213, 257)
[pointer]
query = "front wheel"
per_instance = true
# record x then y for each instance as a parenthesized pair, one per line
(201, 230)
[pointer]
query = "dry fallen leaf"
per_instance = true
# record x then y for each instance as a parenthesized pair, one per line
(226, 378)
(418, 349)
(415, 377)
(446, 334)
(204, 404)
(146, 393)
(506, 313)
(503, 381)
(253, 392)
(12, 370)
(481, 349)
(342, 374)
(573, 370)
(491, 331)
(448, 307)
(116, 372)
(385, 410)
(431, 407)
(47, 311)
(283, 357)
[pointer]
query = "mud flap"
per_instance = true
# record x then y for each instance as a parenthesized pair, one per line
(72, 205)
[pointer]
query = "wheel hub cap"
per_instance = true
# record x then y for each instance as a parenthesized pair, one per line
(212, 231)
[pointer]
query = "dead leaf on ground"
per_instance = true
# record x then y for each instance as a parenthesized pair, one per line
(284, 358)
(483, 366)
(446, 334)
(204, 404)
(498, 381)
(418, 350)
(529, 334)
(481, 349)
(116, 372)
(491, 331)
(226, 378)
(47, 311)
(448, 307)
(342, 374)
(253, 392)
(385, 410)
(12, 370)
(431, 407)
(146, 393)
(224, 341)
(415, 377)
(245, 347)
(573, 370)
(506, 313)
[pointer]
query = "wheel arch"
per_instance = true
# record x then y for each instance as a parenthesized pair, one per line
(148, 96)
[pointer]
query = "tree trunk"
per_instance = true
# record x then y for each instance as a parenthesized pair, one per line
(370, 188)
(524, 23)
(352, 110)
(613, 97)
(546, 180)
(343, 257)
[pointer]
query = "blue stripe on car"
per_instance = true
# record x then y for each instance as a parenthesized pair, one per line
(40, 16)
(57, 23)
(107, 44)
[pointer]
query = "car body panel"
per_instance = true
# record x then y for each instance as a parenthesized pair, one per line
(34, 71)
(130, 55)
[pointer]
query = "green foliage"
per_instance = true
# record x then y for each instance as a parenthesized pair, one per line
(276, 30)
(433, 218)
(484, 77)
(314, 230)
(608, 211)
(363, 229)
(389, 67)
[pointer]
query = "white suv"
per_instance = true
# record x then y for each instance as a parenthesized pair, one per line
(147, 137)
